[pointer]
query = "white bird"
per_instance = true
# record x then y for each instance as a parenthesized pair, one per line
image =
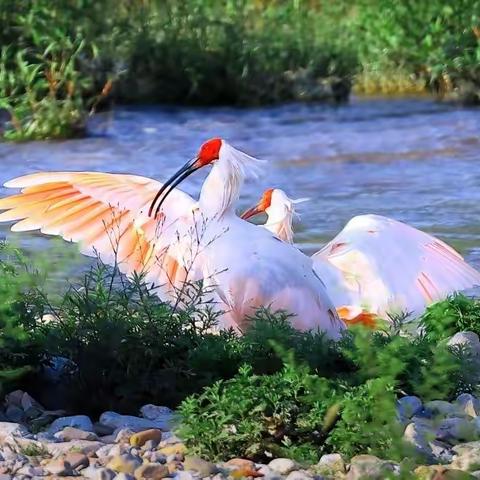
(376, 265)
(245, 266)
(175, 240)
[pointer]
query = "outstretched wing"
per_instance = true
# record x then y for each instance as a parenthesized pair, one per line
(107, 214)
(386, 265)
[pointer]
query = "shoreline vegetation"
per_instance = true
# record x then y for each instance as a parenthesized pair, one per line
(62, 61)
(110, 344)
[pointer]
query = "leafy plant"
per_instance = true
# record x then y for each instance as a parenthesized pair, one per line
(20, 307)
(454, 314)
(259, 415)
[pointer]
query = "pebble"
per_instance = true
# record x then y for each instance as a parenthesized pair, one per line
(155, 412)
(468, 460)
(409, 406)
(440, 407)
(197, 464)
(122, 435)
(173, 449)
(240, 463)
(124, 476)
(95, 473)
(139, 439)
(417, 436)
(71, 433)
(283, 466)
(154, 471)
(12, 429)
(14, 413)
(115, 420)
(456, 430)
(30, 471)
(469, 404)
(181, 475)
(88, 447)
(299, 475)
(59, 467)
(81, 422)
(77, 459)
(331, 463)
(124, 463)
(369, 466)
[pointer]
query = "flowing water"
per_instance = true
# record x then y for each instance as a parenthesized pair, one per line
(410, 159)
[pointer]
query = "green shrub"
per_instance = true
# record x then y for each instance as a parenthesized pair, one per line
(347, 406)
(366, 421)
(257, 415)
(20, 308)
(455, 314)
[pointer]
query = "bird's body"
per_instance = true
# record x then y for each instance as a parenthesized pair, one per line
(377, 264)
(243, 267)
(263, 271)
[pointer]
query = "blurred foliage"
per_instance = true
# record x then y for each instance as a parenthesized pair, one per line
(20, 306)
(402, 45)
(59, 60)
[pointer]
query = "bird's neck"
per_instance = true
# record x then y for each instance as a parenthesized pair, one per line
(280, 224)
(221, 190)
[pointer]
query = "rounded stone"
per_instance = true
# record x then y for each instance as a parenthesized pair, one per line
(331, 463)
(153, 471)
(283, 466)
(139, 439)
(124, 463)
(81, 422)
(409, 406)
(197, 464)
(72, 433)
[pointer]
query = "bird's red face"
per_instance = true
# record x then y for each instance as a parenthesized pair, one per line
(261, 206)
(209, 152)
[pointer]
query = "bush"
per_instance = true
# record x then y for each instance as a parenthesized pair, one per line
(256, 416)
(455, 314)
(47, 63)
(348, 407)
(20, 307)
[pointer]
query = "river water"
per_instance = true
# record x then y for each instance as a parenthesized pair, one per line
(411, 159)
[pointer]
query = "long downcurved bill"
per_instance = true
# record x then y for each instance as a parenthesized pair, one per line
(178, 177)
(251, 212)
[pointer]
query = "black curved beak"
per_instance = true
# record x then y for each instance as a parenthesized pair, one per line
(178, 177)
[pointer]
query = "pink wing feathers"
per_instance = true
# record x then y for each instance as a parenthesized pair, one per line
(107, 214)
(386, 265)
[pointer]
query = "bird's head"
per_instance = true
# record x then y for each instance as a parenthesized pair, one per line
(280, 210)
(212, 151)
(275, 203)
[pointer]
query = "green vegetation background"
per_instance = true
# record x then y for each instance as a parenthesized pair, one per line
(61, 60)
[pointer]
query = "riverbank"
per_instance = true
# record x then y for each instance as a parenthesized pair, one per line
(108, 345)
(62, 63)
(440, 439)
